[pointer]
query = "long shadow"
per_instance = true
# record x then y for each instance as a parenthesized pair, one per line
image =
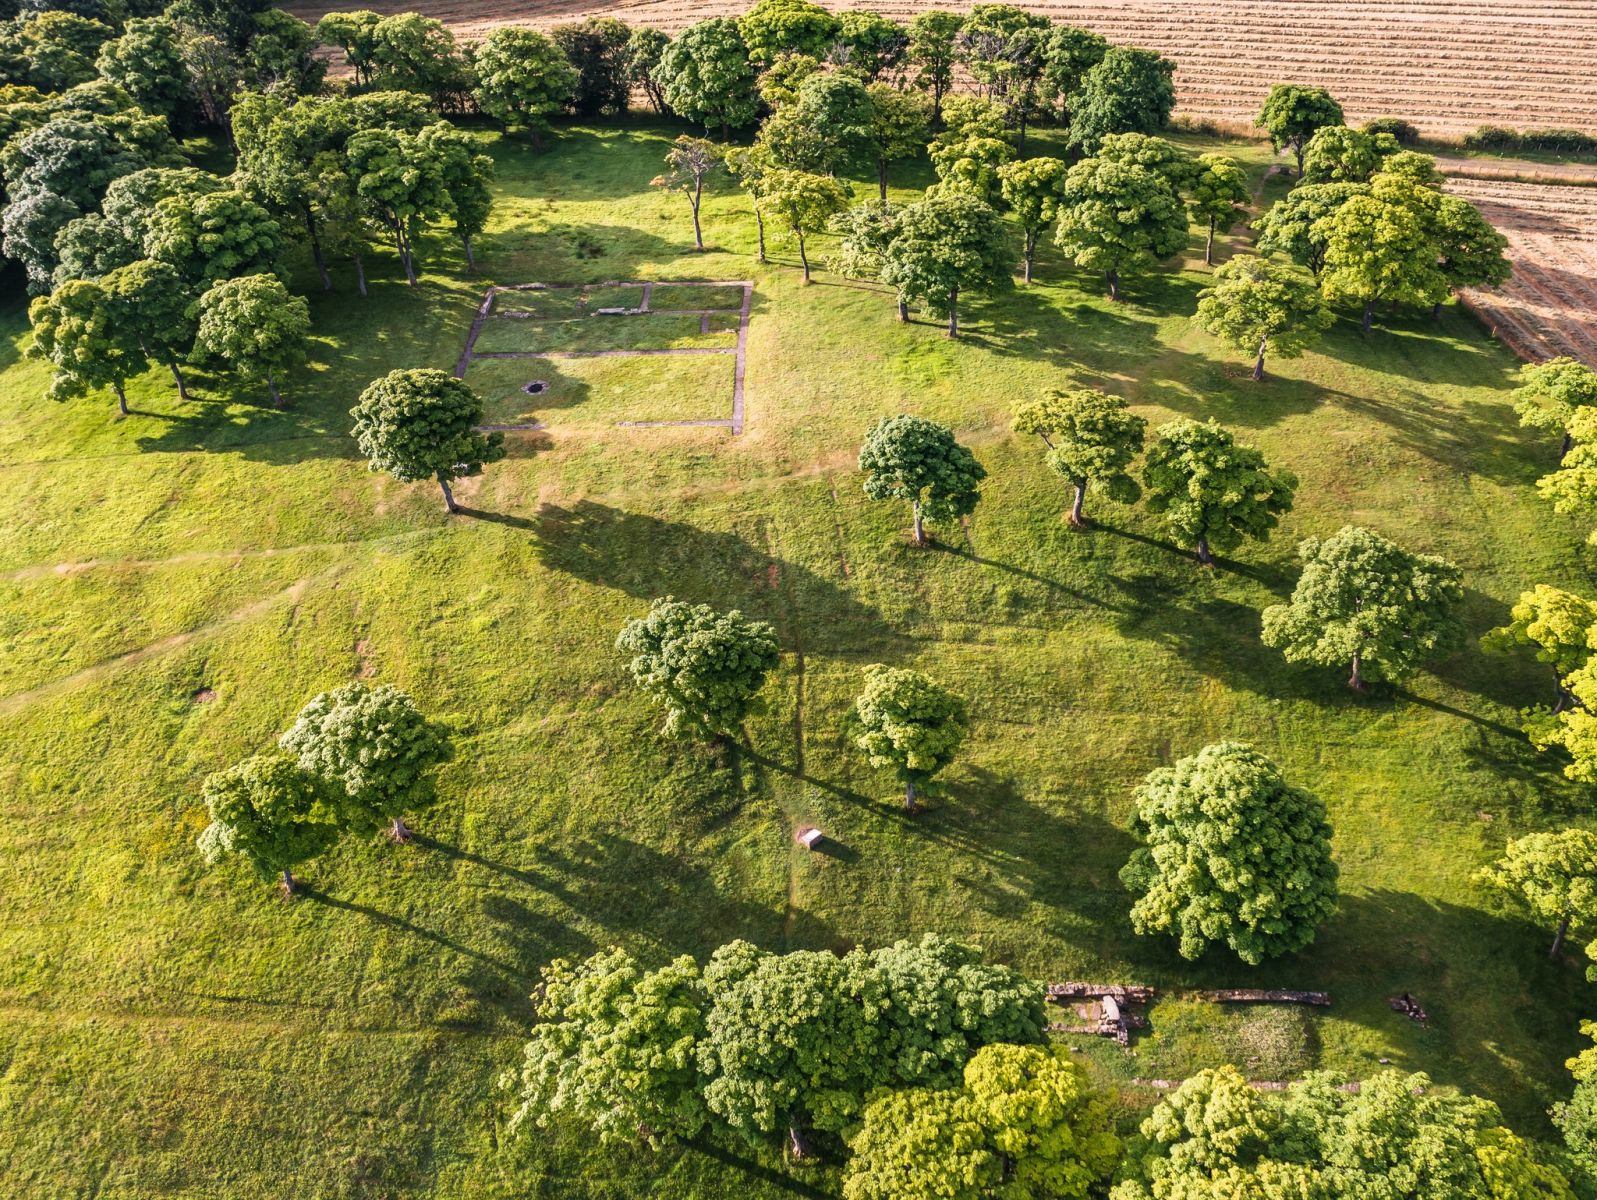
(1022, 572)
(779, 1179)
(648, 556)
(493, 518)
(1277, 579)
(390, 921)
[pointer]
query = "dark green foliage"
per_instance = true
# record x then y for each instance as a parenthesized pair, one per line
(254, 325)
(933, 52)
(705, 668)
(598, 49)
(910, 725)
(146, 61)
(705, 76)
(1292, 114)
(873, 45)
(1337, 154)
(1232, 854)
(1119, 218)
(213, 235)
(421, 424)
(1260, 307)
(372, 751)
(1091, 437)
(947, 244)
(270, 813)
(231, 20)
(1364, 602)
(355, 33)
(911, 458)
(89, 246)
(828, 129)
(281, 55)
(1213, 493)
(1129, 91)
(523, 78)
(160, 309)
(645, 47)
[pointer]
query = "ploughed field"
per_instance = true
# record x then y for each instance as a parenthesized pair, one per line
(1447, 65)
(1549, 307)
(174, 585)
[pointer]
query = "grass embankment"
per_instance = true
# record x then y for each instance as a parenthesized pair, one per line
(174, 585)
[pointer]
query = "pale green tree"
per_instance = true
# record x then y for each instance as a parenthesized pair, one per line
(1295, 224)
(523, 78)
(1212, 493)
(1090, 437)
(1551, 392)
(705, 76)
(82, 331)
(945, 246)
(255, 326)
(802, 204)
(1218, 197)
(1552, 874)
(934, 53)
(1292, 114)
(899, 124)
(1119, 218)
(909, 724)
(1032, 190)
(1261, 307)
(1562, 628)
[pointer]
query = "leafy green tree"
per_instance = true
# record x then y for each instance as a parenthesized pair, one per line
(77, 156)
(523, 78)
(1366, 603)
(863, 234)
(1005, 50)
(413, 53)
(827, 129)
(1219, 197)
(616, 1048)
(1213, 493)
(690, 161)
(1337, 154)
(1129, 91)
(270, 813)
(1382, 247)
(1153, 153)
(355, 33)
(910, 725)
(373, 752)
(873, 44)
(948, 244)
(1090, 436)
(230, 20)
(1573, 486)
(911, 458)
(598, 49)
(1559, 624)
(464, 178)
(212, 236)
(281, 55)
(282, 153)
(1292, 114)
(899, 125)
(1070, 54)
(1295, 224)
(400, 179)
(1550, 393)
(422, 423)
(705, 76)
(934, 53)
(1472, 250)
(772, 27)
(58, 49)
(130, 201)
(802, 204)
(1232, 853)
(159, 309)
(645, 48)
(1025, 1124)
(213, 74)
(1553, 874)
(1413, 166)
(781, 79)
(81, 331)
(969, 166)
(146, 61)
(1577, 1120)
(1119, 218)
(31, 224)
(1032, 190)
(87, 247)
(705, 668)
(1259, 307)
(753, 166)
(256, 326)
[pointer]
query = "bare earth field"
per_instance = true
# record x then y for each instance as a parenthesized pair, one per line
(1549, 307)
(1446, 65)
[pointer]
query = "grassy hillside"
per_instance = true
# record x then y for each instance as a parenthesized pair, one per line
(174, 585)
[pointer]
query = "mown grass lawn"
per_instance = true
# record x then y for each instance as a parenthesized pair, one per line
(174, 585)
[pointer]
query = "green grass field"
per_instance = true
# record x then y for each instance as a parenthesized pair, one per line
(174, 585)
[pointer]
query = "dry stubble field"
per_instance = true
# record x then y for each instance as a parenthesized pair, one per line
(1446, 65)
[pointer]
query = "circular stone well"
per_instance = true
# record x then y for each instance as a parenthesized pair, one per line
(536, 388)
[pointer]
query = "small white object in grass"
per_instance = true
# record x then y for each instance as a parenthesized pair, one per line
(809, 837)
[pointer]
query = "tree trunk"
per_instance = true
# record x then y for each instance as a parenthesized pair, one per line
(316, 248)
(1031, 251)
(937, 105)
(903, 309)
(910, 803)
(1558, 938)
(471, 259)
(288, 882)
(449, 496)
(920, 526)
(1258, 363)
(360, 273)
(537, 137)
(1369, 316)
(953, 312)
(1563, 450)
(1436, 311)
(881, 179)
(271, 386)
(1076, 518)
(1208, 246)
(1297, 149)
(796, 1143)
(1205, 558)
(1114, 284)
(398, 830)
(182, 384)
(698, 194)
(121, 397)
(1356, 679)
(1562, 697)
(803, 256)
(759, 225)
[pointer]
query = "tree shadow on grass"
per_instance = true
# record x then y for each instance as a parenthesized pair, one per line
(710, 1148)
(403, 925)
(1054, 585)
(1277, 577)
(648, 557)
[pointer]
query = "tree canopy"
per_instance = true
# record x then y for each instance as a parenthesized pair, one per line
(256, 326)
(705, 75)
(1213, 493)
(705, 668)
(1232, 854)
(422, 423)
(1261, 307)
(1292, 114)
(912, 458)
(1127, 91)
(523, 78)
(1366, 603)
(83, 332)
(1219, 197)
(1119, 218)
(1552, 874)
(945, 245)
(1550, 393)
(1032, 190)
(1295, 225)
(268, 812)
(910, 725)
(802, 203)
(1090, 436)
